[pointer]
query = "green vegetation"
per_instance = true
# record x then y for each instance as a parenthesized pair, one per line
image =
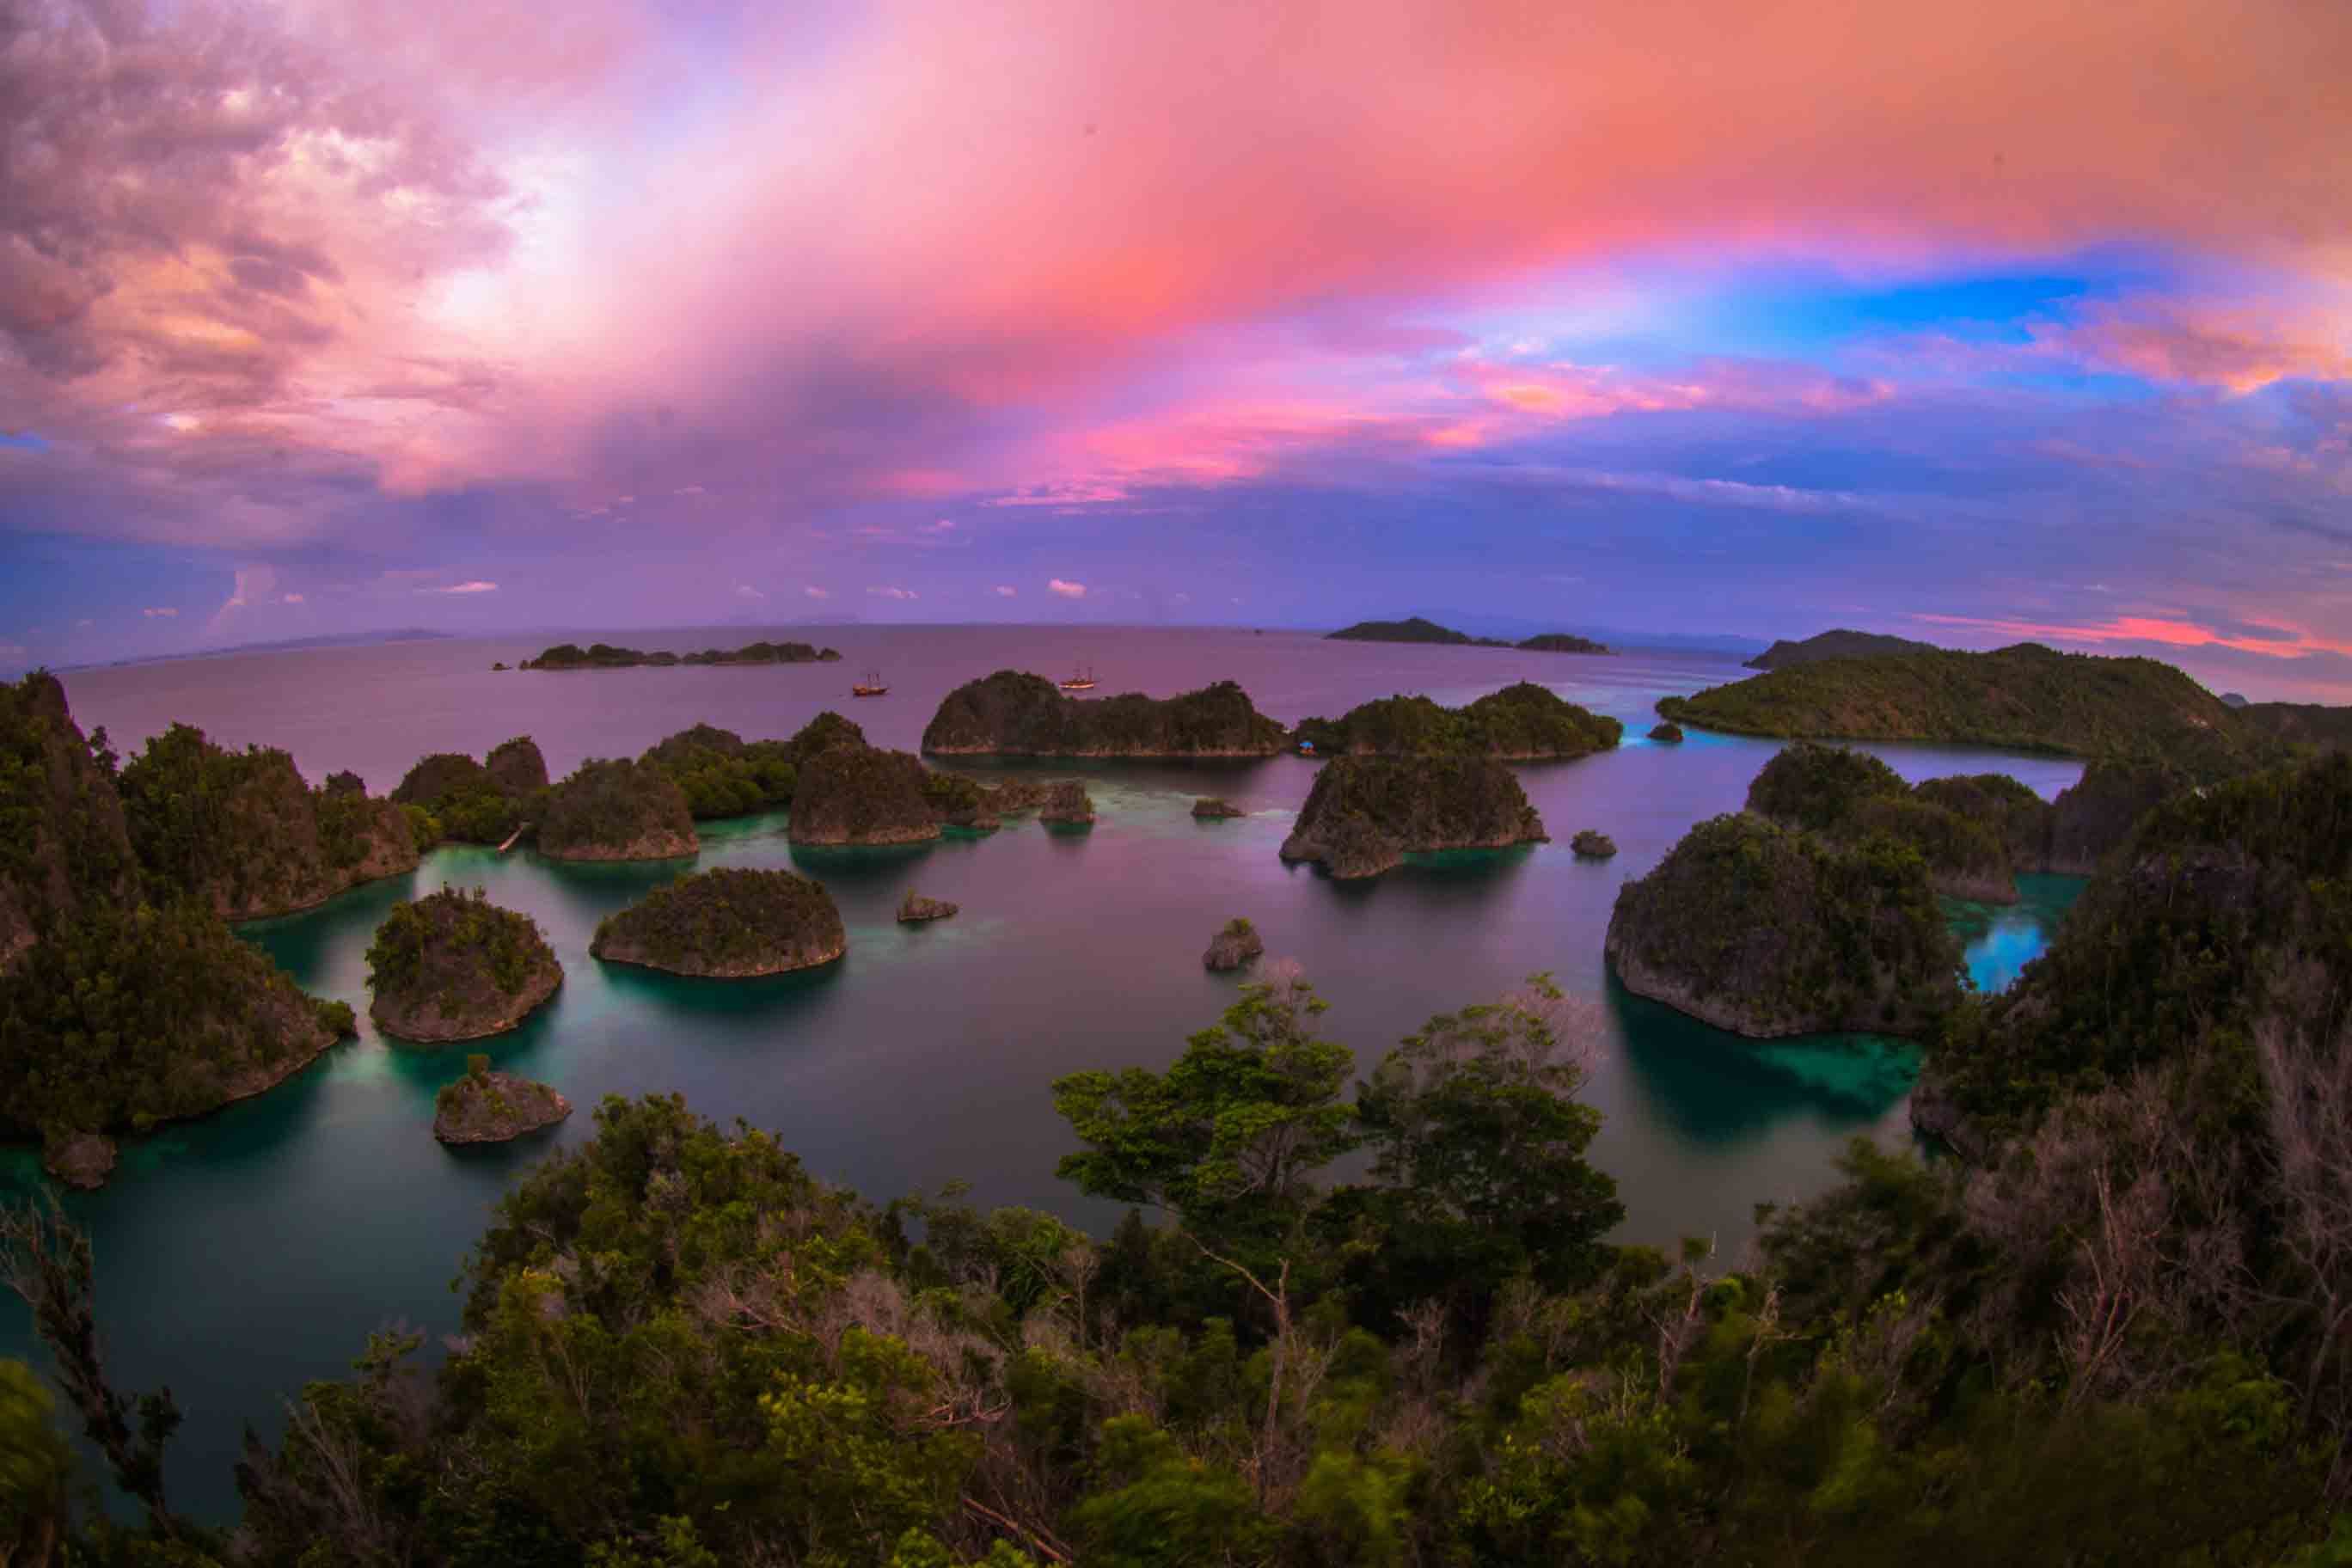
(2027, 697)
(1784, 653)
(2302, 724)
(1413, 628)
(1766, 930)
(453, 966)
(1592, 844)
(726, 923)
(463, 800)
(680, 1350)
(1667, 731)
(1013, 714)
(617, 810)
(2226, 917)
(1561, 642)
(123, 1002)
(1364, 813)
(1851, 797)
(864, 795)
(720, 774)
(239, 831)
(486, 1107)
(1521, 720)
(605, 655)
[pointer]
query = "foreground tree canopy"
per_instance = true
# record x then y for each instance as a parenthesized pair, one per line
(1381, 1326)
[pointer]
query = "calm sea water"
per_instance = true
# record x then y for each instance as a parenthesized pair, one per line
(242, 1255)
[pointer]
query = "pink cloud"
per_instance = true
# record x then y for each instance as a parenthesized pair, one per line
(2294, 642)
(475, 586)
(1067, 590)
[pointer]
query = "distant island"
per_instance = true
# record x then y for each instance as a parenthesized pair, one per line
(1840, 643)
(605, 655)
(1413, 628)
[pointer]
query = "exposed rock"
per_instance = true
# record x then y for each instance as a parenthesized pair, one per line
(515, 766)
(1208, 808)
(1365, 814)
(455, 966)
(1233, 946)
(1668, 732)
(617, 811)
(862, 794)
(1767, 932)
(2096, 813)
(727, 924)
(82, 1160)
(1593, 845)
(1524, 722)
(486, 1107)
(915, 909)
(242, 833)
(1067, 805)
(1016, 715)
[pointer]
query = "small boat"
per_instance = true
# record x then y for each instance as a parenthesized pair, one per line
(1083, 680)
(871, 686)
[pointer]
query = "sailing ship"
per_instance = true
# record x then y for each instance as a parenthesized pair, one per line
(871, 686)
(1083, 680)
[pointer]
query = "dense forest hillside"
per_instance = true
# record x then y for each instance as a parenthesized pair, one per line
(616, 810)
(1015, 715)
(124, 1000)
(1522, 722)
(2027, 697)
(449, 796)
(2303, 723)
(1964, 830)
(241, 832)
(453, 966)
(1364, 814)
(728, 923)
(1785, 654)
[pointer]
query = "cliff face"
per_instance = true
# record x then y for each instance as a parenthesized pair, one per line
(862, 794)
(242, 833)
(455, 966)
(1767, 932)
(66, 840)
(1016, 715)
(2218, 923)
(515, 767)
(1365, 814)
(727, 924)
(617, 811)
(494, 1108)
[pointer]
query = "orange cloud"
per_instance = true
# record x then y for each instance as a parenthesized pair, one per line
(2295, 643)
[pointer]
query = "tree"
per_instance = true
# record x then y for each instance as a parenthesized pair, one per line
(1480, 1147)
(1229, 1136)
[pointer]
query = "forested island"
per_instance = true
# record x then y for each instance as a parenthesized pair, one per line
(727, 924)
(1364, 814)
(125, 1001)
(1415, 629)
(2026, 699)
(1013, 714)
(486, 1107)
(605, 655)
(1768, 930)
(453, 966)
(615, 809)
(1521, 722)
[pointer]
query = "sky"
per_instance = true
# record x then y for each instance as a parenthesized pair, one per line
(1973, 323)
